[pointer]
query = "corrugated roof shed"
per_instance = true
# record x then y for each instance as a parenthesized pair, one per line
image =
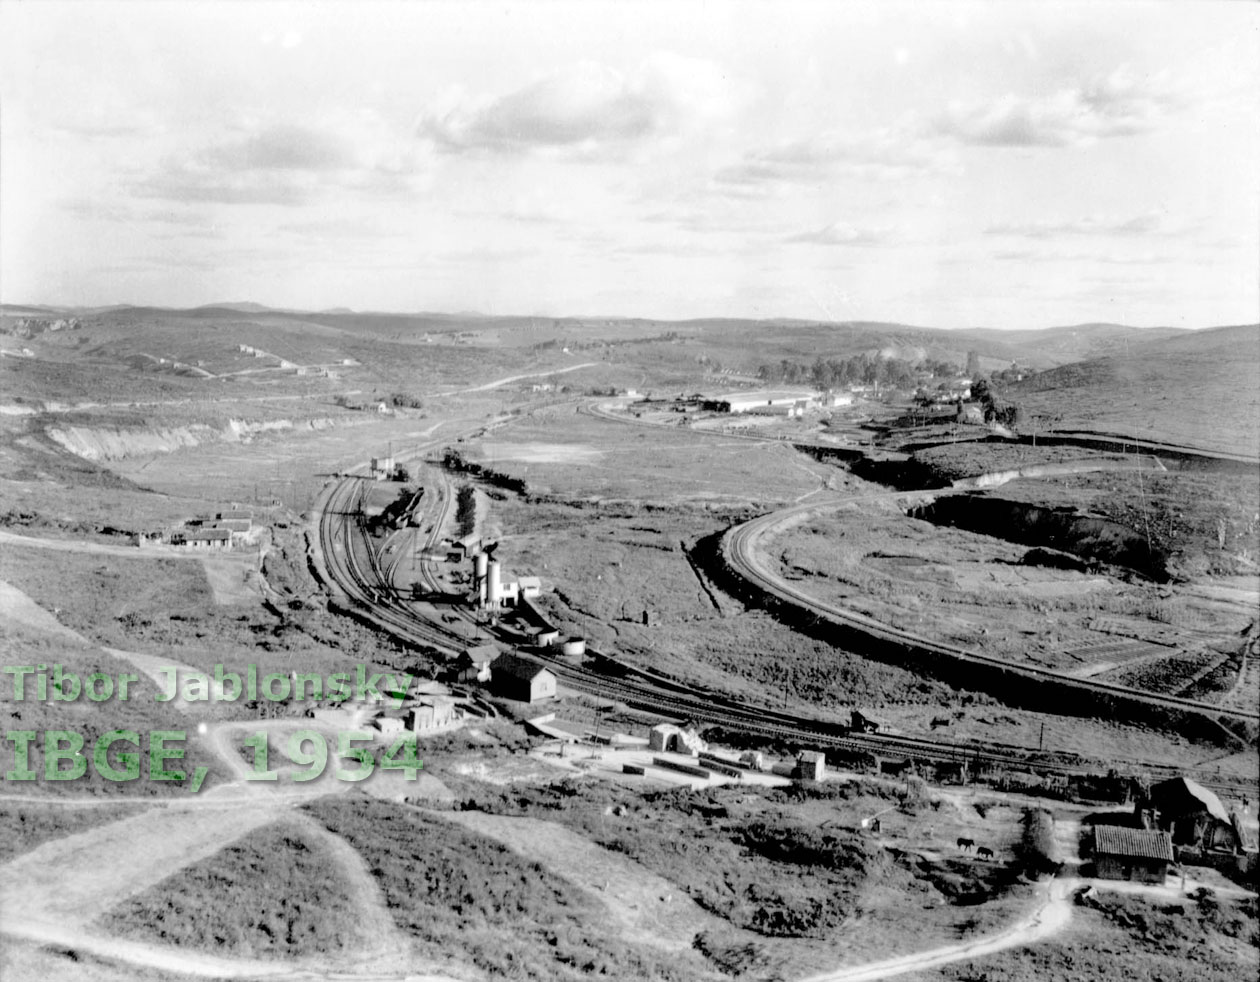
(1112, 840)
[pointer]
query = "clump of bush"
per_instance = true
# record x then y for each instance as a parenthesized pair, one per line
(1036, 848)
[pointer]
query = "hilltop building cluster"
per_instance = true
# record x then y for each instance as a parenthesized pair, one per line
(226, 530)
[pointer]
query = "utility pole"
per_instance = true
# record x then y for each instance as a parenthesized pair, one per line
(1041, 740)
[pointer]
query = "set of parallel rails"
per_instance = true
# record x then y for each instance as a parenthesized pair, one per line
(372, 591)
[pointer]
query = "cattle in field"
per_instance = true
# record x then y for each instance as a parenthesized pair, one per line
(984, 852)
(965, 844)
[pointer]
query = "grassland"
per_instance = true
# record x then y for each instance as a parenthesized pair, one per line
(454, 890)
(273, 894)
(601, 576)
(90, 721)
(25, 824)
(977, 591)
(167, 607)
(1134, 938)
(791, 871)
(593, 459)
(1207, 524)
(1196, 390)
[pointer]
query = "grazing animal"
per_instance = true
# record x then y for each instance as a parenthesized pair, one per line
(984, 852)
(965, 844)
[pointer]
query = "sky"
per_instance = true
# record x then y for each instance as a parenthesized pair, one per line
(1008, 165)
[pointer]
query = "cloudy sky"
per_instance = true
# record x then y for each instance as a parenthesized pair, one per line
(945, 164)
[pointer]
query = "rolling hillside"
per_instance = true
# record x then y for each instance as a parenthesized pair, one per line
(1199, 389)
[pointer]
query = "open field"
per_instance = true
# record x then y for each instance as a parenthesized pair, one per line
(792, 871)
(274, 893)
(979, 592)
(1195, 390)
(591, 458)
(1130, 937)
(168, 607)
(24, 825)
(451, 890)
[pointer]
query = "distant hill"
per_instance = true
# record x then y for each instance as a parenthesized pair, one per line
(1197, 388)
(240, 306)
(1078, 342)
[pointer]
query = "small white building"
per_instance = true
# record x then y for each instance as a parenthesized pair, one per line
(432, 713)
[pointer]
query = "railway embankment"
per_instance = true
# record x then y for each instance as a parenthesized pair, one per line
(732, 564)
(1063, 529)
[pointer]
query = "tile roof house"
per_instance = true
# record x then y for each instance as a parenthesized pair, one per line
(1140, 855)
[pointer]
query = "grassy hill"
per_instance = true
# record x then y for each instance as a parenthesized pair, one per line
(1199, 389)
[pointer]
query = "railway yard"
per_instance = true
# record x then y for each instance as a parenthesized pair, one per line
(686, 698)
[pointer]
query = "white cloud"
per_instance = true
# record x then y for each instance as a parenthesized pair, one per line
(1116, 105)
(1150, 223)
(282, 164)
(885, 154)
(282, 147)
(585, 104)
(843, 234)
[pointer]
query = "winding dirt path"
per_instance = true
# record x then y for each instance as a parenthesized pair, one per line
(1050, 916)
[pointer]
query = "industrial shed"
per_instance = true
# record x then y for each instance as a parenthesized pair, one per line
(786, 401)
(522, 679)
(1138, 855)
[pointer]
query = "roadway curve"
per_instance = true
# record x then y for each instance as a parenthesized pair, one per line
(740, 554)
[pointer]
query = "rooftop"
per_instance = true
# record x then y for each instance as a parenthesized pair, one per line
(765, 395)
(518, 667)
(1114, 840)
(1183, 785)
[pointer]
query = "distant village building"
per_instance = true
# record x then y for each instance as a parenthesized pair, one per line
(212, 539)
(1138, 855)
(971, 413)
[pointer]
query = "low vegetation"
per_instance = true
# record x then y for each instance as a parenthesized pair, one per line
(744, 856)
(273, 894)
(1128, 937)
(451, 888)
(25, 825)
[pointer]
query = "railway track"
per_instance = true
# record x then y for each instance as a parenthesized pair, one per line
(369, 588)
(739, 548)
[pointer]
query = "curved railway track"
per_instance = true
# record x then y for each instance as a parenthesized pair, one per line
(739, 550)
(356, 570)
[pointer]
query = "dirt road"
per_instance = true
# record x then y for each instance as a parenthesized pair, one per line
(1050, 916)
